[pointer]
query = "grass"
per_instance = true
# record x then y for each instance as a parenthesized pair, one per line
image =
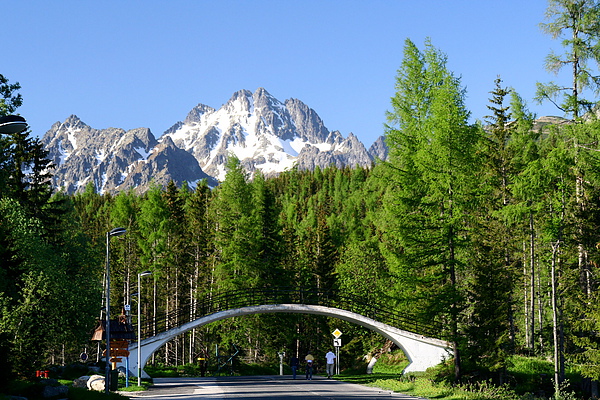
(423, 385)
(135, 388)
(529, 378)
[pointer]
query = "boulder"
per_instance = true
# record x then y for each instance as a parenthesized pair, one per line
(81, 382)
(122, 372)
(96, 382)
(55, 391)
(49, 382)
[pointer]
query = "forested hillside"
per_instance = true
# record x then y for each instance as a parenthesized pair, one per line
(489, 229)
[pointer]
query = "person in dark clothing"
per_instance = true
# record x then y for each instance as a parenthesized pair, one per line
(294, 364)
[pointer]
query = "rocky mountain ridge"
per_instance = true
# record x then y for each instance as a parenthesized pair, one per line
(262, 132)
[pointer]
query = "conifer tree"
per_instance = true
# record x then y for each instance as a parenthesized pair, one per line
(124, 211)
(270, 246)
(235, 235)
(433, 176)
(152, 223)
(491, 328)
(577, 23)
(199, 233)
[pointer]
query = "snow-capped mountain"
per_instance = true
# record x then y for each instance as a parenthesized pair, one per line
(263, 133)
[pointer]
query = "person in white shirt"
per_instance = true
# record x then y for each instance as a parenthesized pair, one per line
(330, 361)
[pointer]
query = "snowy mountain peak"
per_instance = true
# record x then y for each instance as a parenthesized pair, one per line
(196, 114)
(264, 133)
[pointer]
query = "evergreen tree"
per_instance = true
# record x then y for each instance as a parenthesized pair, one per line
(9, 99)
(152, 223)
(433, 189)
(124, 212)
(493, 276)
(200, 247)
(270, 248)
(236, 234)
(577, 22)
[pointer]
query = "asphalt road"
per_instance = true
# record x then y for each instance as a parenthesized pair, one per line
(260, 387)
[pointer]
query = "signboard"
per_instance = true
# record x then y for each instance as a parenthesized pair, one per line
(127, 307)
(117, 353)
(337, 333)
(118, 348)
(119, 344)
(337, 342)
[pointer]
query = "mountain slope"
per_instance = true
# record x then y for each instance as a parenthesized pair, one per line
(264, 133)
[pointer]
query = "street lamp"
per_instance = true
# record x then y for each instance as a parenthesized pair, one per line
(139, 326)
(114, 232)
(12, 124)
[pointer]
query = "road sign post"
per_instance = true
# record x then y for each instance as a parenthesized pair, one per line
(337, 343)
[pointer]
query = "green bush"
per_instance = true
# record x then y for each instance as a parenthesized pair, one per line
(531, 374)
(391, 363)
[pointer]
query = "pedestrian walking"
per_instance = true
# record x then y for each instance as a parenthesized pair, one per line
(330, 357)
(294, 364)
(309, 366)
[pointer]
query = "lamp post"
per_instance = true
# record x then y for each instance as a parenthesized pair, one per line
(12, 124)
(139, 326)
(114, 232)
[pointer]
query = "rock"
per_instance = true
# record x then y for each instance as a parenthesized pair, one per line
(81, 382)
(55, 391)
(49, 382)
(96, 382)
(371, 365)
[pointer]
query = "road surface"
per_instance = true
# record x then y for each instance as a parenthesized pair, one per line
(260, 387)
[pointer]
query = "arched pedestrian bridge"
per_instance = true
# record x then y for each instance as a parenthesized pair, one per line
(415, 338)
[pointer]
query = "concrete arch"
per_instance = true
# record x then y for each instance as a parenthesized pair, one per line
(422, 352)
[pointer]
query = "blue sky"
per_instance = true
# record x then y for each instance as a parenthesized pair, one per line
(131, 64)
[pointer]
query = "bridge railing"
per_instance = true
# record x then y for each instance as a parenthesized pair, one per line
(213, 303)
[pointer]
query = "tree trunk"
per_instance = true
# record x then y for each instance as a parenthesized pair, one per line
(556, 324)
(531, 344)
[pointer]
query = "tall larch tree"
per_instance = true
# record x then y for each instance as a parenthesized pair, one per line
(235, 233)
(577, 24)
(433, 189)
(152, 222)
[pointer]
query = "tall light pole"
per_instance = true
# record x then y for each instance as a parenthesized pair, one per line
(12, 124)
(114, 232)
(139, 326)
